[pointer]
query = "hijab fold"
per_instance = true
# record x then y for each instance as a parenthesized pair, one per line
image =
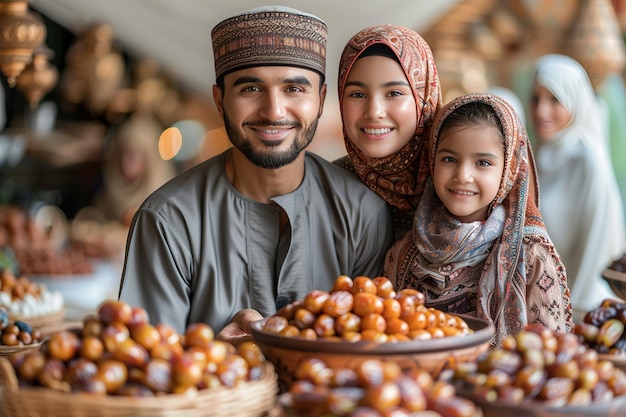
(398, 178)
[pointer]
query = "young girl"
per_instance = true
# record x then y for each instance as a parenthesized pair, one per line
(478, 244)
(388, 93)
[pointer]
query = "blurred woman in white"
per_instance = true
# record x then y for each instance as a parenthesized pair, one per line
(580, 200)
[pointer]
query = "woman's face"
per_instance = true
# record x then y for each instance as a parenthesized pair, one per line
(379, 111)
(549, 116)
(132, 164)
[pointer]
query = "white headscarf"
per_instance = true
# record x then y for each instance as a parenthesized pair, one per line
(580, 200)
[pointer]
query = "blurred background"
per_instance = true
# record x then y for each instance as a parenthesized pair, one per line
(99, 64)
(83, 80)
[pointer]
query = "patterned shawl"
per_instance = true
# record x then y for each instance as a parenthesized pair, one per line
(438, 241)
(398, 178)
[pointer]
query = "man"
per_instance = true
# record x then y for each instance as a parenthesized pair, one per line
(238, 236)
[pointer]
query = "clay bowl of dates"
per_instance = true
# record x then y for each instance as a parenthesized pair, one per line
(616, 279)
(541, 373)
(603, 329)
(348, 326)
(613, 408)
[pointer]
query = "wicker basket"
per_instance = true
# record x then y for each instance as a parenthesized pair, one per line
(252, 399)
(41, 321)
(12, 350)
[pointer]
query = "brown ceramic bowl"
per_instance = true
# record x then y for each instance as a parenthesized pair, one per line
(616, 281)
(434, 355)
(613, 408)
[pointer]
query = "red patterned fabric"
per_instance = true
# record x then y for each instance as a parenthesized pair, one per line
(398, 178)
(272, 35)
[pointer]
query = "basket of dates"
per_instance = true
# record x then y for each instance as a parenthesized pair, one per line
(119, 364)
(374, 388)
(30, 302)
(364, 318)
(615, 276)
(17, 336)
(603, 329)
(544, 374)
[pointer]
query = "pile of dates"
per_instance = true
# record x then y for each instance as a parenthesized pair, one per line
(34, 246)
(24, 298)
(364, 308)
(17, 333)
(118, 352)
(602, 328)
(374, 388)
(541, 366)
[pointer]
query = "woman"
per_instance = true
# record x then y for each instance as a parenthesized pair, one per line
(388, 83)
(132, 169)
(478, 244)
(581, 204)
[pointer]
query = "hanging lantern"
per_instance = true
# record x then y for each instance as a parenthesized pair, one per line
(38, 77)
(20, 33)
(595, 40)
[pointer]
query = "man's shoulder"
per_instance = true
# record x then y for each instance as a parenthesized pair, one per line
(337, 179)
(341, 168)
(189, 183)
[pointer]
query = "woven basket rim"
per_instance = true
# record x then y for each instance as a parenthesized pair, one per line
(251, 398)
(43, 320)
(11, 350)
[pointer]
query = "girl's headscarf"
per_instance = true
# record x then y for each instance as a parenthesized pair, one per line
(502, 284)
(519, 188)
(398, 178)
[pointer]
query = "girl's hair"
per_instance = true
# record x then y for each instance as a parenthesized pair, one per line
(471, 114)
(379, 49)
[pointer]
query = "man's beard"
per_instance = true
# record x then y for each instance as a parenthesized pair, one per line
(270, 158)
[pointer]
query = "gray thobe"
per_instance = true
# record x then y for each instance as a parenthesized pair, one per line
(199, 251)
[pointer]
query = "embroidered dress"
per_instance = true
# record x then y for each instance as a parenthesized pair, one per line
(504, 269)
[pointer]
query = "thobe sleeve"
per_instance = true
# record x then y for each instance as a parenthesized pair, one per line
(156, 275)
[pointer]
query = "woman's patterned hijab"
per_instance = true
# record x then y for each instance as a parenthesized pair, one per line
(398, 178)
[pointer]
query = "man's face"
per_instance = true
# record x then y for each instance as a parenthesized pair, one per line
(271, 113)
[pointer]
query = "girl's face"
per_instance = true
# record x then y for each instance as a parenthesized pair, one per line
(548, 114)
(379, 111)
(469, 164)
